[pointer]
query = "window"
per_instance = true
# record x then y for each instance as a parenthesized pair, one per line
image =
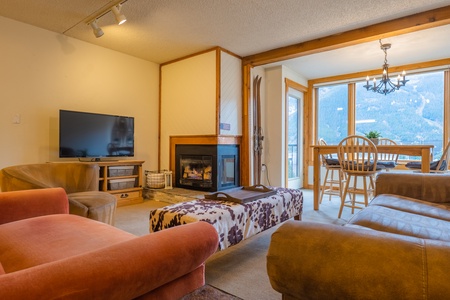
(411, 115)
(293, 163)
(333, 113)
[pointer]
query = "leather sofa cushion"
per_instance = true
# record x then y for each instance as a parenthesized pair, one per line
(414, 206)
(405, 216)
(40, 240)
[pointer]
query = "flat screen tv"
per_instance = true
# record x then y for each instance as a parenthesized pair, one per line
(93, 135)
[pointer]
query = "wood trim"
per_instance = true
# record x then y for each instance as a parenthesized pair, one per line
(309, 132)
(351, 108)
(424, 20)
(295, 85)
(159, 117)
(446, 107)
(188, 56)
(217, 48)
(218, 89)
(245, 145)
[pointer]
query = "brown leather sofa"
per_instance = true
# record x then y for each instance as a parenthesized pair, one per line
(46, 253)
(79, 180)
(396, 248)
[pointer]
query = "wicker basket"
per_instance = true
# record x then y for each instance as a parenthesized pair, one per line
(155, 179)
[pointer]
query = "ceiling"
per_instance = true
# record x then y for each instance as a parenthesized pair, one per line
(164, 30)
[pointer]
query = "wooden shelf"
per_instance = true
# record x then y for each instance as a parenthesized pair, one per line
(128, 195)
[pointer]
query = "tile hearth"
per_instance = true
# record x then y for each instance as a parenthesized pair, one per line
(175, 195)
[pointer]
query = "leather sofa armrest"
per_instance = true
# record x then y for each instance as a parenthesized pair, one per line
(321, 261)
(428, 187)
(122, 271)
(25, 204)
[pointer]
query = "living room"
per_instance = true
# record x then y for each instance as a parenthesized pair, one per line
(48, 71)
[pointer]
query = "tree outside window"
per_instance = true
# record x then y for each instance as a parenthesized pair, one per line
(333, 113)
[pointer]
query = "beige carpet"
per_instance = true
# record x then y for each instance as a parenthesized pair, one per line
(208, 292)
(241, 269)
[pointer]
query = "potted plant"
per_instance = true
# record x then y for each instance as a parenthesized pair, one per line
(373, 136)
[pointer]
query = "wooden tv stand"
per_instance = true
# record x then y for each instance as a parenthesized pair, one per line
(128, 195)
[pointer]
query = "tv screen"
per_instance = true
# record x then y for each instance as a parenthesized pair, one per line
(83, 134)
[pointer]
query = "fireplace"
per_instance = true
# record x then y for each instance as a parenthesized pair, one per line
(207, 167)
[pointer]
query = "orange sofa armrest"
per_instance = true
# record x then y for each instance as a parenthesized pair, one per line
(25, 204)
(121, 271)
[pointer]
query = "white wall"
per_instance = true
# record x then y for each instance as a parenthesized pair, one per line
(43, 72)
(230, 94)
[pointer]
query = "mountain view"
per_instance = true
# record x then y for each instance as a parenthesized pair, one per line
(411, 115)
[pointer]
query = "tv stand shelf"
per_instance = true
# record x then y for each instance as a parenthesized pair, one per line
(125, 195)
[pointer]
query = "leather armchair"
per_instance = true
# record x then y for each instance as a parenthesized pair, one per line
(79, 180)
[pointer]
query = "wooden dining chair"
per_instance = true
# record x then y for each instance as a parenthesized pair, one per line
(358, 159)
(387, 161)
(333, 180)
(438, 166)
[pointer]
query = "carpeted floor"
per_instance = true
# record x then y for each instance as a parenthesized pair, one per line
(241, 269)
(208, 292)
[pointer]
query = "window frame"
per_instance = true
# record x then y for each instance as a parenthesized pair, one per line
(351, 82)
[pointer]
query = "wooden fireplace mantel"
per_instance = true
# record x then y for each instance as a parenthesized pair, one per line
(199, 140)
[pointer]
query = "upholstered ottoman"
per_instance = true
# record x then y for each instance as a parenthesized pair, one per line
(99, 206)
(233, 222)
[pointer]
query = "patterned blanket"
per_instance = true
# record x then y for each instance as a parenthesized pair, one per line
(234, 222)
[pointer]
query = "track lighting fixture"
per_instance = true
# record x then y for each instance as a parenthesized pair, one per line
(98, 32)
(120, 18)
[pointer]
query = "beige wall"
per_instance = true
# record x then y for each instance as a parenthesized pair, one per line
(43, 72)
(273, 112)
(188, 97)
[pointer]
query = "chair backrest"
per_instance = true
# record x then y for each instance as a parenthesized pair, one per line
(357, 154)
(73, 177)
(387, 156)
(328, 159)
(322, 142)
(442, 165)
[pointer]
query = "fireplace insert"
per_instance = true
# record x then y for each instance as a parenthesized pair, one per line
(207, 167)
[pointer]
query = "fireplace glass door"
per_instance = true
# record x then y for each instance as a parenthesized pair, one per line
(196, 170)
(228, 168)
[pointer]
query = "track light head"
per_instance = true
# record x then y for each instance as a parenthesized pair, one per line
(98, 32)
(120, 18)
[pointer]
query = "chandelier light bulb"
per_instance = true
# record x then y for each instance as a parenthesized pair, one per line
(386, 86)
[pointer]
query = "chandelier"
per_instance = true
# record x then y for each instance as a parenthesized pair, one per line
(386, 86)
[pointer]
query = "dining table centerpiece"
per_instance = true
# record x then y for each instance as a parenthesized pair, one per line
(374, 136)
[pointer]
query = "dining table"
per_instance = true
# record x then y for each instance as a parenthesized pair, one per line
(424, 151)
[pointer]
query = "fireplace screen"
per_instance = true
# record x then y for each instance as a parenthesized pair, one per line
(196, 170)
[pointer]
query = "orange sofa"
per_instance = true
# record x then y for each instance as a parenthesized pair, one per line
(46, 253)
